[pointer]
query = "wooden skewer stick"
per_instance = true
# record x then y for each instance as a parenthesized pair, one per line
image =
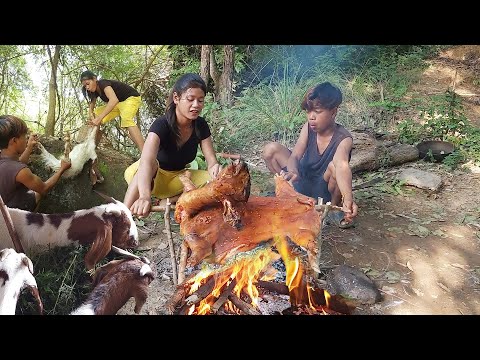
(170, 241)
(161, 208)
(183, 262)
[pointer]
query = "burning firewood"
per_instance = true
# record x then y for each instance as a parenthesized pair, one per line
(232, 288)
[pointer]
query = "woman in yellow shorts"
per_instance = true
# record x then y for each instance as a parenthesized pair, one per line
(171, 144)
(121, 100)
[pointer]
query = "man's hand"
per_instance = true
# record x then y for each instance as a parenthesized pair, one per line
(32, 141)
(65, 165)
(289, 176)
(350, 209)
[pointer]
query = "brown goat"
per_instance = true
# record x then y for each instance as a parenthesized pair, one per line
(115, 283)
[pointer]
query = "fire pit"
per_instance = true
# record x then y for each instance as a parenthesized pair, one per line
(234, 238)
(246, 285)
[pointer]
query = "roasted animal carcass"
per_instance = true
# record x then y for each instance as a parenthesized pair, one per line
(205, 217)
(231, 186)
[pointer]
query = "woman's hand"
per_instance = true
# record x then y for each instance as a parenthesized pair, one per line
(94, 122)
(214, 170)
(141, 207)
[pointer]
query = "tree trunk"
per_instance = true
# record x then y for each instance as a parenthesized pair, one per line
(214, 74)
(52, 91)
(205, 63)
(226, 80)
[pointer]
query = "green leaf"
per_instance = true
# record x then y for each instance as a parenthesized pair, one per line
(139, 222)
(392, 276)
(193, 165)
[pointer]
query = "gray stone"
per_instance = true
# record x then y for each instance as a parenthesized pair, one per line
(352, 284)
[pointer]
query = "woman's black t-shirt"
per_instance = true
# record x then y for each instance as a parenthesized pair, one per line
(169, 156)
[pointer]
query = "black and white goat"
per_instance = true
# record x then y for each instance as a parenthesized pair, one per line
(100, 226)
(115, 283)
(16, 273)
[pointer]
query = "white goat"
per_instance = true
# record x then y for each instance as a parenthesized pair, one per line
(115, 283)
(100, 227)
(16, 273)
(79, 155)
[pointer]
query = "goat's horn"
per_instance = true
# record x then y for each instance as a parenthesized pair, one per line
(105, 197)
(124, 252)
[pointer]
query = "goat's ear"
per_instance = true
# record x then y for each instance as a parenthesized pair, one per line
(104, 270)
(113, 209)
(101, 246)
(3, 254)
(105, 197)
(27, 262)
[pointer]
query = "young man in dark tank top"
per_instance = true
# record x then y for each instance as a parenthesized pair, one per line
(19, 187)
(318, 165)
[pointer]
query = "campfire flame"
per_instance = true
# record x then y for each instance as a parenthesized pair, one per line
(241, 275)
(245, 272)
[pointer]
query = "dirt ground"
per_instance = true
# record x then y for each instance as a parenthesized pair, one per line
(421, 249)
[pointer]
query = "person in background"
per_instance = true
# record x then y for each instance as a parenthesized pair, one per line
(171, 144)
(19, 187)
(318, 165)
(121, 100)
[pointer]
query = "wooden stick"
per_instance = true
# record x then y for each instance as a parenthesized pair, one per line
(202, 292)
(243, 306)
(10, 227)
(183, 262)
(160, 208)
(170, 241)
(222, 299)
(273, 286)
(229, 156)
(178, 296)
(326, 209)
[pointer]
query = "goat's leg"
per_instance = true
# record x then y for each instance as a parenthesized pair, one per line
(95, 174)
(140, 299)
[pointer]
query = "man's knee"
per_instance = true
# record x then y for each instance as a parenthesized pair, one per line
(269, 150)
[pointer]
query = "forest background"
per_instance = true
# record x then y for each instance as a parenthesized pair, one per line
(254, 96)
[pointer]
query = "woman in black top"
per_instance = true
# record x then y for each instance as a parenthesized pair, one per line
(171, 144)
(121, 100)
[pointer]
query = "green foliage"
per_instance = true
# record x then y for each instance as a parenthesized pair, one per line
(409, 131)
(62, 280)
(444, 120)
(267, 109)
(453, 160)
